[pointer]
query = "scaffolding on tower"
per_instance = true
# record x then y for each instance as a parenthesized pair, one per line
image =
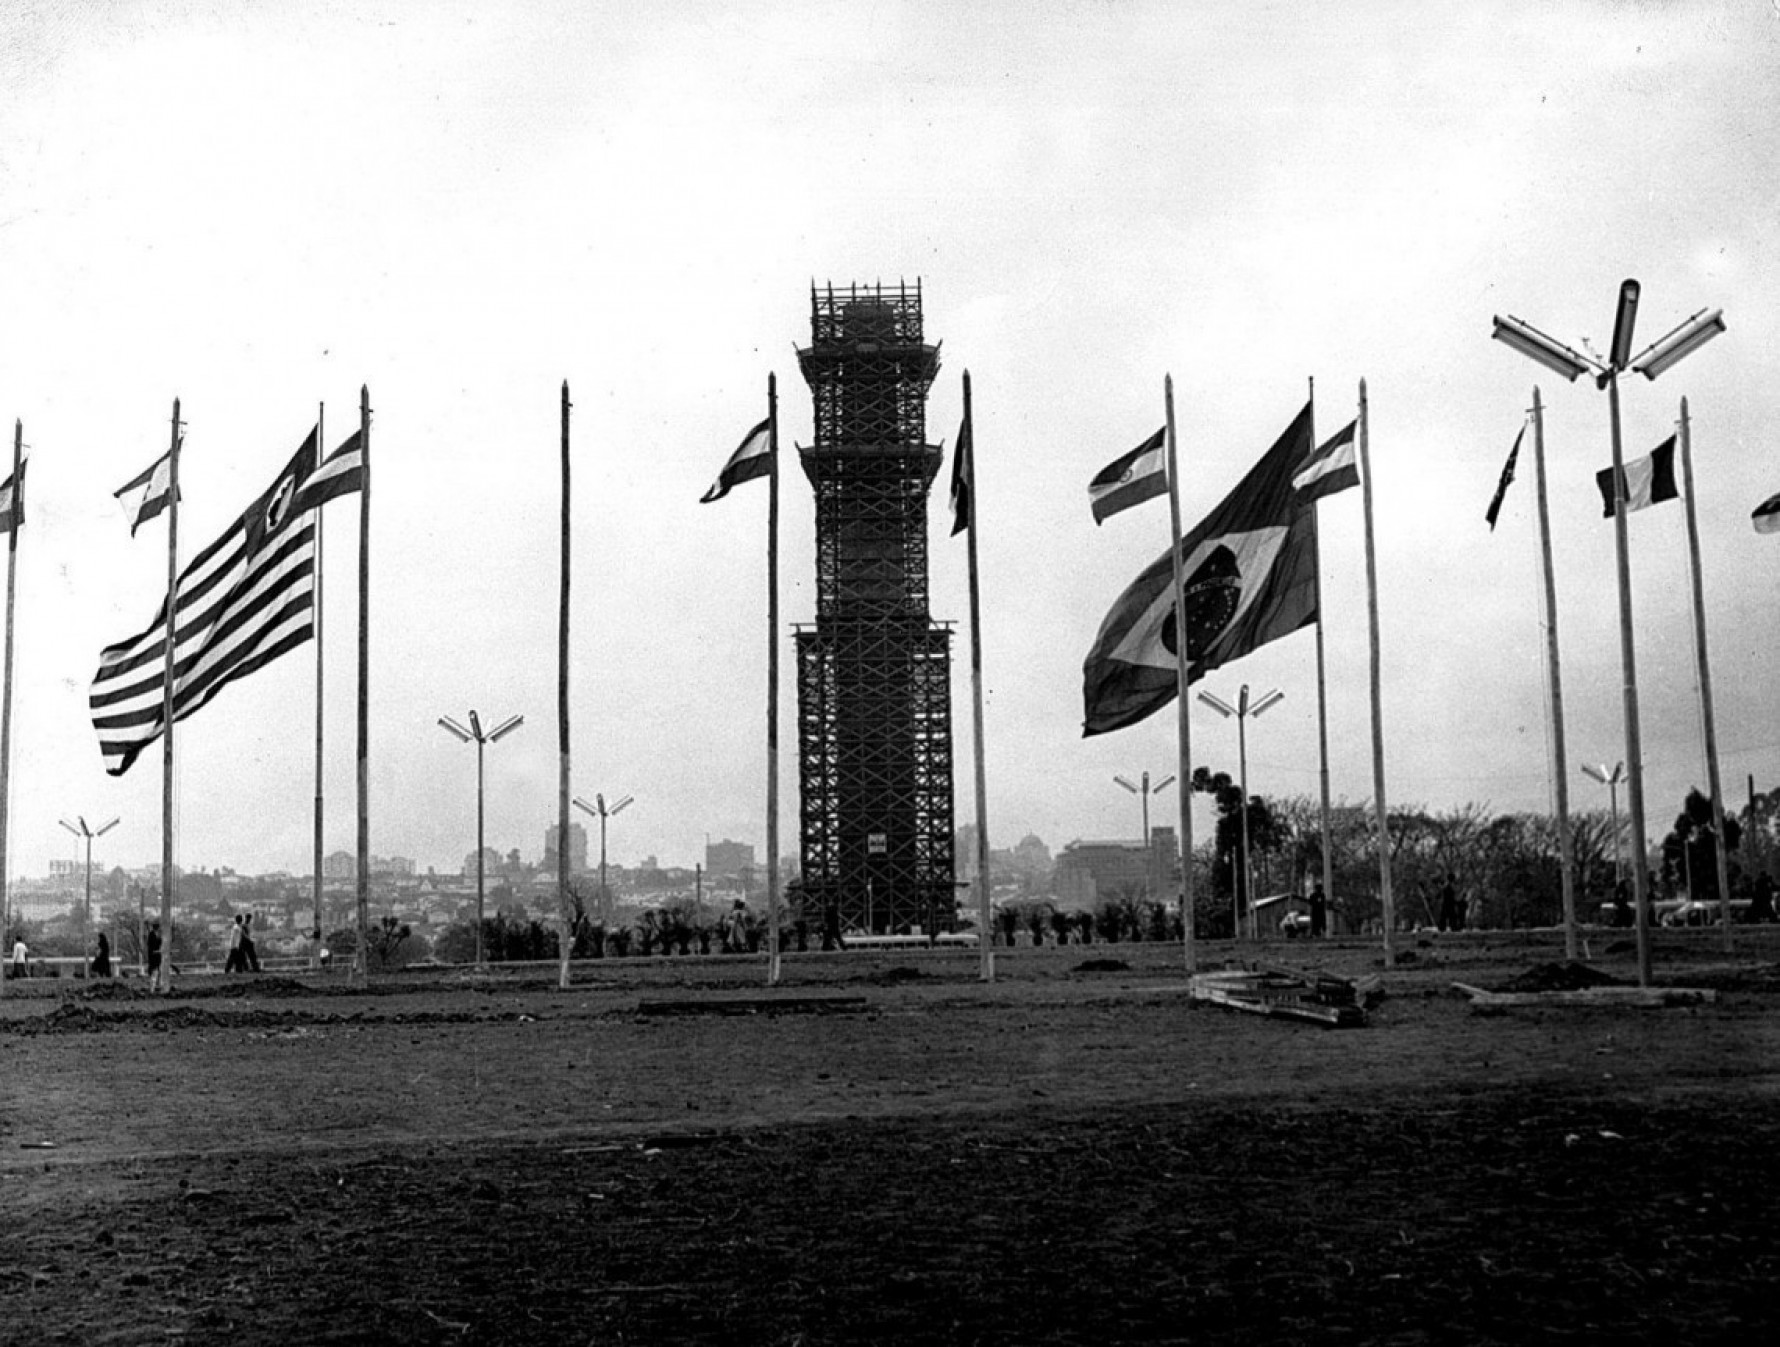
(873, 670)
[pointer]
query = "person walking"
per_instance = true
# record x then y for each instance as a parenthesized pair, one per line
(232, 964)
(1448, 911)
(1319, 911)
(154, 949)
(21, 958)
(250, 957)
(102, 960)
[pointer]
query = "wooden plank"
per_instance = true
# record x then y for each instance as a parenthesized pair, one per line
(1590, 996)
(752, 1005)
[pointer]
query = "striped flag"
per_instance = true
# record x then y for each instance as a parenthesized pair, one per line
(153, 482)
(1648, 480)
(752, 458)
(12, 502)
(242, 602)
(1330, 469)
(1130, 479)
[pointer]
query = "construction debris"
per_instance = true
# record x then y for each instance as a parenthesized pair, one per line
(1310, 997)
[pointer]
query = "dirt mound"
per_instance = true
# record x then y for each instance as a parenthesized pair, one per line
(892, 976)
(112, 989)
(1557, 977)
(271, 986)
(1103, 966)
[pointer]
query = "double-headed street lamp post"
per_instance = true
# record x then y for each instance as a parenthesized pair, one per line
(86, 918)
(602, 811)
(1668, 351)
(1149, 852)
(474, 733)
(1611, 781)
(1243, 711)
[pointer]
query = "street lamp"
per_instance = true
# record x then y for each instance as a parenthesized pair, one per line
(89, 834)
(602, 811)
(1652, 361)
(1611, 781)
(1243, 711)
(1149, 858)
(475, 733)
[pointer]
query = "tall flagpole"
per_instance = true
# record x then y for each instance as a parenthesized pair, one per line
(320, 588)
(563, 905)
(772, 684)
(1708, 723)
(985, 930)
(1559, 767)
(172, 631)
(1182, 663)
(1628, 663)
(362, 964)
(12, 554)
(1322, 699)
(1387, 906)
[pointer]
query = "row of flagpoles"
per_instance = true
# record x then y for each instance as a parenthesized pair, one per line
(1248, 573)
(244, 600)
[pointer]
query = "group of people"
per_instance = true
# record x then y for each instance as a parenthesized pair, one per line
(243, 957)
(100, 964)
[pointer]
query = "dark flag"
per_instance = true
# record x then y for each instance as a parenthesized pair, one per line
(1507, 477)
(752, 458)
(964, 480)
(1766, 516)
(242, 602)
(1648, 480)
(1251, 579)
(1130, 479)
(1332, 468)
(12, 502)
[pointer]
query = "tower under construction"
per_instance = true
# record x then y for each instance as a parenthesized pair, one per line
(873, 671)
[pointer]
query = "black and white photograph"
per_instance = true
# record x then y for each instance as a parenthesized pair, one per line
(1082, 672)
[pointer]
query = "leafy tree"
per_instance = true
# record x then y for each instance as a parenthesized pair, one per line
(385, 945)
(1267, 833)
(1690, 851)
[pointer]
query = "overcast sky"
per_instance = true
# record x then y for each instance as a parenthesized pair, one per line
(257, 209)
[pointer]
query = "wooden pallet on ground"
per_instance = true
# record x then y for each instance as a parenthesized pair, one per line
(1309, 998)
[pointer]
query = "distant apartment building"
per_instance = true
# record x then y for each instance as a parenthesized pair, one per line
(491, 862)
(726, 859)
(344, 865)
(1088, 872)
(577, 848)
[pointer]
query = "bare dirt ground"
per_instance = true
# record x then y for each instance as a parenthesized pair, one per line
(890, 1151)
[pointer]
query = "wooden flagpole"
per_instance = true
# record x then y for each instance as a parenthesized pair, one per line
(1322, 706)
(1559, 766)
(1708, 723)
(316, 515)
(165, 983)
(12, 553)
(1386, 904)
(772, 684)
(362, 963)
(985, 889)
(1182, 669)
(563, 906)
